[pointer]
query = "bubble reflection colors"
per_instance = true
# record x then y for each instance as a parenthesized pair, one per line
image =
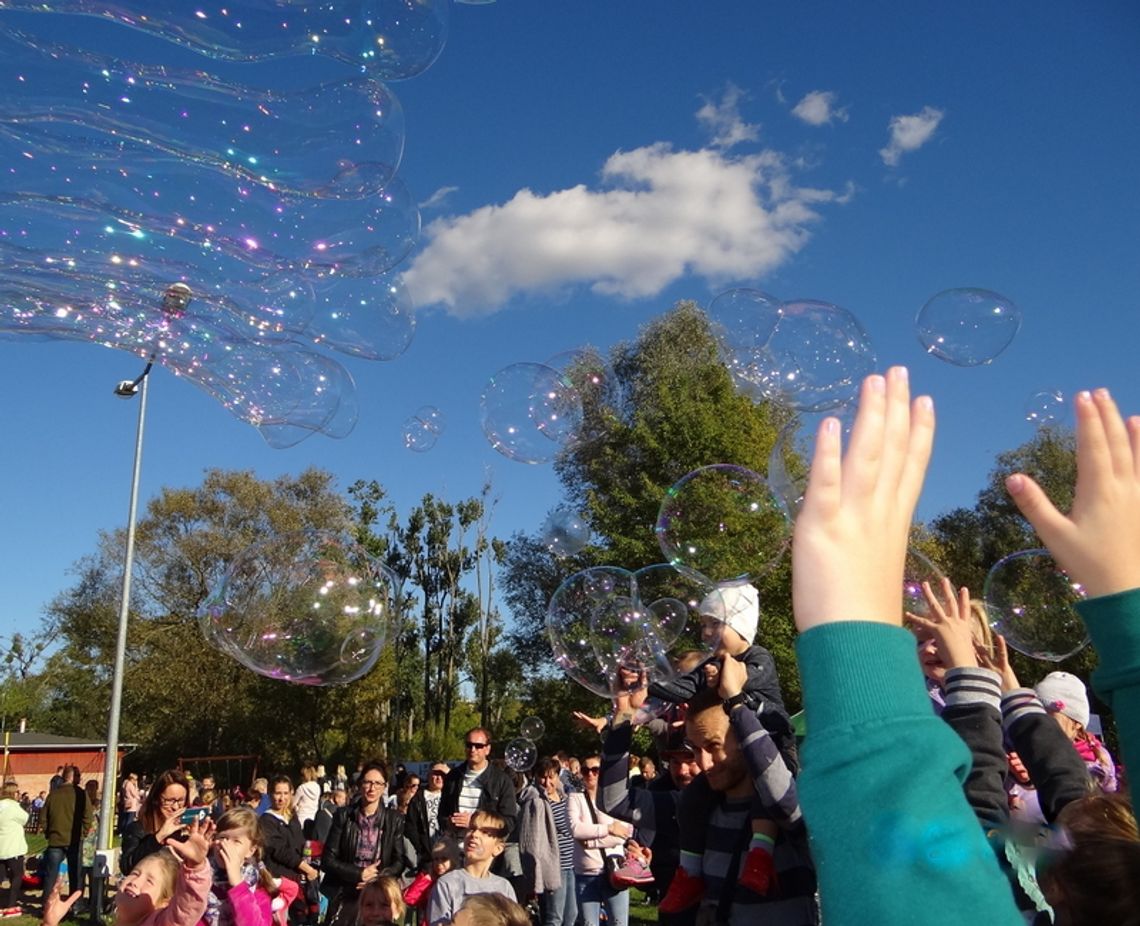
(722, 523)
(565, 532)
(967, 327)
(309, 607)
(1032, 603)
(529, 412)
(391, 39)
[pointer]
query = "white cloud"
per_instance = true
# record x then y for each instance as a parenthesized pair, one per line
(439, 197)
(723, 122)
(659, 215)
(909, 133)
(818, 108)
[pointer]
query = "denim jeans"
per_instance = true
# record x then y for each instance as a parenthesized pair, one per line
(593, 891)
(560, 907)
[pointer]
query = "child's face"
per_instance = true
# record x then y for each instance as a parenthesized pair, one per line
(235, 842)
(142, 892)
(375, 908)
(440, 865)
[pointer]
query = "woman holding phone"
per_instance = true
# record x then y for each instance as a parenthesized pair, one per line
(158, 820)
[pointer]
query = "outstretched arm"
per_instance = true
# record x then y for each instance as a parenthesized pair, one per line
(881, 788)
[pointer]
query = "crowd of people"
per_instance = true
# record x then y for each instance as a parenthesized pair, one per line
(932, 785)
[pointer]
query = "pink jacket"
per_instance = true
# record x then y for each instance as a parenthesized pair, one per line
(251, 906)
(590, 838)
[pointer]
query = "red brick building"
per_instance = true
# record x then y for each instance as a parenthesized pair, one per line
(31, 759)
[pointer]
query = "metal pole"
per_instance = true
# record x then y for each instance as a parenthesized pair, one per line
(101, 871)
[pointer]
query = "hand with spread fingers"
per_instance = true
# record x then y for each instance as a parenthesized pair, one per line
(950, 623)
(1098, 542)
(850, 538)
(999, 663)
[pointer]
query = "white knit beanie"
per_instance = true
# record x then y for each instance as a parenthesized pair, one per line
(737, 605)
(1064, 693)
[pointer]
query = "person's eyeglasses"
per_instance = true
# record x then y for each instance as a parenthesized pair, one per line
(172, 801)
(370, 783)
(476, 745)
(436, 774)
(591, 769)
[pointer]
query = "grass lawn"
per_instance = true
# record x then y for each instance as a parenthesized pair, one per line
(639, 910)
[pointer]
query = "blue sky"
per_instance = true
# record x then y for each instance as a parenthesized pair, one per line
(1012, 168)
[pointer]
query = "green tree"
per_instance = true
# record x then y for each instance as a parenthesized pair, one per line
(680, 412)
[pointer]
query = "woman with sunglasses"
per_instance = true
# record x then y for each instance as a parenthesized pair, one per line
(366, 841)
(477, 785)
(158, 819)
(595, 835)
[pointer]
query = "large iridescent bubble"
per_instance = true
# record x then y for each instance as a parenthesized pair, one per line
(309, 607)
(967, 327)
(529, 412)
(722, 523)
(577, 648)
(1031, 602)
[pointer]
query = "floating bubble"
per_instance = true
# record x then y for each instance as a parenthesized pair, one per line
(625, 638)
(675, 598)
(917, 568)
(310, 607)
(569, 624)
(373, 319)
(742, 322)
(565, 532)
(1031, 602)
(532, 728)
(529, 411)
(815, 359)
(1046, 408)
(392, 39)
(967, 327)
(593, 378)
(722, 523)
(521, 754)
(422, 429)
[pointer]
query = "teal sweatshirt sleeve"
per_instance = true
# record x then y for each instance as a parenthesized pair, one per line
(1113, 622)
(894, 839)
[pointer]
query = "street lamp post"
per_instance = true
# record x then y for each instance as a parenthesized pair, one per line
(126, 389)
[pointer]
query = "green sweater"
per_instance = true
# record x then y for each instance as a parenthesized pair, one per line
(893, 838)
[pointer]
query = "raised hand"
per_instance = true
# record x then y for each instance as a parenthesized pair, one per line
(951, 624)
(850, 537)
(1098, 542)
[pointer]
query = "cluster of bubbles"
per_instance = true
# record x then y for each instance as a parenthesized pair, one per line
(530, 412)
(310, 607)
(422, 429)
(613, 630)
(209, 203)
(565, 531)
(521, 752)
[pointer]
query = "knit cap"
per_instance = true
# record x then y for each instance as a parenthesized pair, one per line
(1064, 693)
(737, 605)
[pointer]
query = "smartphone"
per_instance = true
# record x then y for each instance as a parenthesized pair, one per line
(194, 815)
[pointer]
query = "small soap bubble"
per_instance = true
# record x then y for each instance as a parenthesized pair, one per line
(521, 754)
(722, 523)
(529, 412)
(1045, 408)
(565, 532)
(532, 728)
(422, 429)
(967, 327)
(309, 607)
(1032, 602)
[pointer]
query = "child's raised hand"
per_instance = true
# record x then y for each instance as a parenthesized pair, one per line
(56, 906)
(999, 662)
(193, 851)
(951, 624)
(229, 854)
(850, 538)
(733, 675)
(1098, 543)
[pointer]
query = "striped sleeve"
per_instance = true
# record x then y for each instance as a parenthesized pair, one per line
(770, 775)
(973, 685)
(1021, 702)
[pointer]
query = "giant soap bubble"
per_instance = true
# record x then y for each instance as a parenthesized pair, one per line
(391, 39)
(722, 523)
(310, 607)
(529, 412)
(591, 376)
(565, 532)
(1031, 602)
(967, 327)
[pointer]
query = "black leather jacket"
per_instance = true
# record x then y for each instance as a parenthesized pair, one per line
(498, 794)
(338, 860)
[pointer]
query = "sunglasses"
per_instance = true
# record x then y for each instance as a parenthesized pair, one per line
(591, 769)
(436, 774)
(476, 745)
